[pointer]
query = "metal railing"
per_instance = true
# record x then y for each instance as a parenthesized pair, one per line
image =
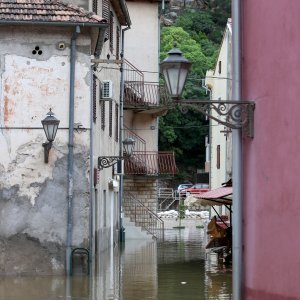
(143, 216)
(166, 198)
(150, 163)
(132, 73)
(140, 93)
(140, 144)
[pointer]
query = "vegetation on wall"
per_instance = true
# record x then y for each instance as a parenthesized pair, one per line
(198, 33)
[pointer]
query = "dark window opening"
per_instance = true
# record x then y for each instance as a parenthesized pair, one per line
(94, 98)
(102, 114)
(110, 118)
(106, 15)
(111, 32)
(117, 122)
(218, 156)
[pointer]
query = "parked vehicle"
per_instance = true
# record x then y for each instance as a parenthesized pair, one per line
(197, 188)
(181, 187)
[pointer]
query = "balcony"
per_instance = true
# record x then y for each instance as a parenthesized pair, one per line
(150, 163)
(140, 95)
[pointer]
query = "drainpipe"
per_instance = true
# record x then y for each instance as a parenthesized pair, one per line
(121, 188)
(237, 167)
(71, 152)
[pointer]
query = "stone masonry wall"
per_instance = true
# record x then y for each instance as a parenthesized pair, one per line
(144, 189)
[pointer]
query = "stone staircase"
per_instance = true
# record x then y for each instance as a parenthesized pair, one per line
(138, 217)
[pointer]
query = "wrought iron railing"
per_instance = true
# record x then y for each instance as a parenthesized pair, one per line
(143, 216)
(140, 144)
(140, 94)
(150, 163)
(132, 73)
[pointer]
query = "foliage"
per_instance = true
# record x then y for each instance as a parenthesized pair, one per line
(198, 34)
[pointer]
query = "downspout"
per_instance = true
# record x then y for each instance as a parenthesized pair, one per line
(121, 188)
(71, 152)
(237, 167)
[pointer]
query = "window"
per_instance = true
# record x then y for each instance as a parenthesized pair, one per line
(117, 122)
(94, 98)
(111, 32)
(118, 43)
(220, 67)
(106, 14)
(110, 118)
(218, 156)
(102, 105)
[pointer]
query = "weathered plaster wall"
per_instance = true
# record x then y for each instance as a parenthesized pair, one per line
(33, 195)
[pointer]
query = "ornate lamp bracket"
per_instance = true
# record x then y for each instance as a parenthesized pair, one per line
(108, 161)
(236, 114)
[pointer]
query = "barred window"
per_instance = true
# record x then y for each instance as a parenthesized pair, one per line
(102, 105)
(110, 118)
(94, 98)
(117, 122)
(118, 43)
(106, 15)
(111, 31)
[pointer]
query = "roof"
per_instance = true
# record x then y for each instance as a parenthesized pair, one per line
(40, 11)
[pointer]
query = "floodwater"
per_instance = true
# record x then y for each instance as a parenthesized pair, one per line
(178, 268)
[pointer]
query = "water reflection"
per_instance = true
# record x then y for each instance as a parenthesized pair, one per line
(176, 269)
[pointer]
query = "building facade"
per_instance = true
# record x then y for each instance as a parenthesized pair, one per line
(219, 82)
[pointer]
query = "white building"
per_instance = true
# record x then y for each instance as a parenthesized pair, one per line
(219, 82)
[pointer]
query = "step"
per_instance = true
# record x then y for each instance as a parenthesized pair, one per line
(133, 232)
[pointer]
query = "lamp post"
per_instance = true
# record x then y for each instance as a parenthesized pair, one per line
(108, 161)
(50, 125)
(236, 115)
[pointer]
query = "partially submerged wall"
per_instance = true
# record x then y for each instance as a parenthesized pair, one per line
(33, 195)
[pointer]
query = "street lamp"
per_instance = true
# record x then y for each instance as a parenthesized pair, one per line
(108, 161)
(237, 114)
(175, 68)
(50, 125)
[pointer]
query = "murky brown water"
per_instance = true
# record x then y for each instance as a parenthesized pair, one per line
(175, 269)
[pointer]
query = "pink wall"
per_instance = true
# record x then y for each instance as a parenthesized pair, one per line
(271, 77)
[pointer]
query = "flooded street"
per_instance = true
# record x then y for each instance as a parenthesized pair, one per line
(178, 268)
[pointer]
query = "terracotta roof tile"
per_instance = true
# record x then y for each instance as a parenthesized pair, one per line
(45, 11)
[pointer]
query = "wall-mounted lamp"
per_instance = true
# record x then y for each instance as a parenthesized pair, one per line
(108, 161)
(50, 125)
(238, 114)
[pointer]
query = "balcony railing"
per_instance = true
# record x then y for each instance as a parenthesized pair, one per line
(150, 163)
(132, 73)
(143, 94)
(140, 144)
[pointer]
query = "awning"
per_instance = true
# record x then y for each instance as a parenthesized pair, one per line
(219, 196)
